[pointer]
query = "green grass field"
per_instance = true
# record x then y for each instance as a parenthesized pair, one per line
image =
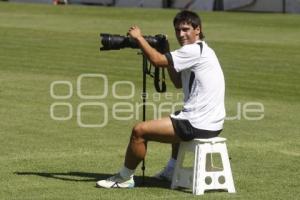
(43, 158)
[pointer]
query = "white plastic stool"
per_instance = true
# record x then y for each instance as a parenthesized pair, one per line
(202, 176)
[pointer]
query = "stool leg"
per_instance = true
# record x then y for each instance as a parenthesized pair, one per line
(199, 170)
(196, 174)
(227, 170)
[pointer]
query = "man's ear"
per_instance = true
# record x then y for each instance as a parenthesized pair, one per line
(198, 30)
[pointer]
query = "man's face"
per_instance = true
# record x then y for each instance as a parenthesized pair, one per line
(186, 34)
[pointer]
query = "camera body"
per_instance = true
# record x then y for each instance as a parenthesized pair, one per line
(117, 42)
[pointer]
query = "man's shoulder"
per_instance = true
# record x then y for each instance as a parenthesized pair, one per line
(188, 49)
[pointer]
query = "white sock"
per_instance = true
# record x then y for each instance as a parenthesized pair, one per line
(126, 173)
(171, 163)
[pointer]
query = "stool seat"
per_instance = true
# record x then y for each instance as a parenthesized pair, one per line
(203, 175)
(211, 140)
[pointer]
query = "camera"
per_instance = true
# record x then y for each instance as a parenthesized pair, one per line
(117, 42)
(159, 42)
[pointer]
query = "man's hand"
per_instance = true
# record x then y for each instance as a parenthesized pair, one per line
(134, 32)
(155, 57)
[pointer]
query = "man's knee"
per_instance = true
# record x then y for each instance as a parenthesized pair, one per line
(138, 131)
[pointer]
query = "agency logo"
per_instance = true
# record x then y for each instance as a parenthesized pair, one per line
(61, 100)
(111, 102)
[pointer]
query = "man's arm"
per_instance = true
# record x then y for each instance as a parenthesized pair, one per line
(155, 57)
(175, 77)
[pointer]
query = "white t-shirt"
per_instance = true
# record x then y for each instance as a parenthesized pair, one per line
(203, 96)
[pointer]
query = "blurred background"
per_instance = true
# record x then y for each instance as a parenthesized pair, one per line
(284, 6)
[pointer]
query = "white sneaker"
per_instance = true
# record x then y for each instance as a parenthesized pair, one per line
(116, 181)
(166, 174)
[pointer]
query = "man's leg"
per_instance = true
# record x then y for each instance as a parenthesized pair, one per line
(154, 130)
(167, 172)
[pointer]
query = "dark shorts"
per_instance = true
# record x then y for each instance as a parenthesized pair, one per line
(184, 129)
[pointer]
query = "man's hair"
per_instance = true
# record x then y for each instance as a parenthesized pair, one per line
(189, 17)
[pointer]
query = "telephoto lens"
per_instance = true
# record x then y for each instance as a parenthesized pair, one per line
(117, 42)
